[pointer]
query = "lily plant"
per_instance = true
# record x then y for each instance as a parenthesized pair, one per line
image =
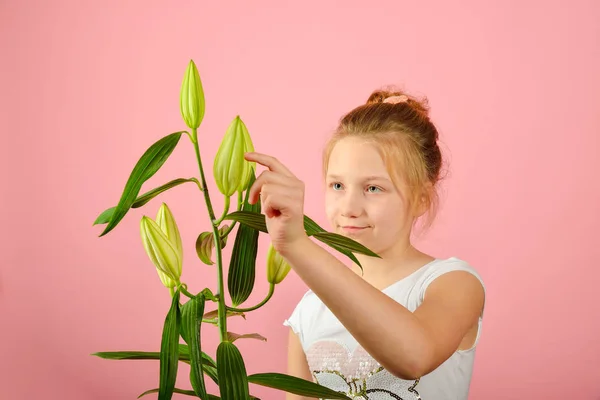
(162, 242)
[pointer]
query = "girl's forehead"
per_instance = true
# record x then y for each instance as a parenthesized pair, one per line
(353, 157)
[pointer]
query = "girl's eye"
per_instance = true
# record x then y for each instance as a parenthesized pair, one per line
(373, 189)
(336, 186)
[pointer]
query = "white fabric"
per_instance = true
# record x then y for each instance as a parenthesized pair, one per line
(337, 361)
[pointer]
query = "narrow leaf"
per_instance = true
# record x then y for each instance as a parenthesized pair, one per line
(139, 355)
(242, 265)
(107, 214)
(215, 314)
(189, 393)
(311, 227)
(257, 221)
(169, 350)
(232, 337)
(184, 356)
(192, 312)
(348, 254)
(211, 372)
(344, 243)
(298, 386)
(233, 381)
(251, 219)
(181, 391)
(145, 168)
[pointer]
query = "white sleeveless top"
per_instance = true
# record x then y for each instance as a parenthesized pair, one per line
(337, 361)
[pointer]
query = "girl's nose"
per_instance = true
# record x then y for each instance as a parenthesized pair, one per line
(351, 204)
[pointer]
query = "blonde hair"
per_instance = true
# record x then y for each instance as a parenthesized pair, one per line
(406, 140)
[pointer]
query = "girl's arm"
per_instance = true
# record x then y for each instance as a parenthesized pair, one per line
(409, 345)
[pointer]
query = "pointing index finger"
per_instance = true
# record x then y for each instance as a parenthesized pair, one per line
(268, 161)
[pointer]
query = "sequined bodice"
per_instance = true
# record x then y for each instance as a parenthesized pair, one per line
(356, 373)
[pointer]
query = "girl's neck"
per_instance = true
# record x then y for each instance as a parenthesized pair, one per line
(394, 264)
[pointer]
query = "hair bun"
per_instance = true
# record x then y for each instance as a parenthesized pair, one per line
(379, 96)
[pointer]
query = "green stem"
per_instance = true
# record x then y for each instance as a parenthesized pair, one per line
(259, 305)
(240, 200)
(229, 228)
(197, 183)
(225, 210)
(239, 207)
(222, 320)
(184, 291)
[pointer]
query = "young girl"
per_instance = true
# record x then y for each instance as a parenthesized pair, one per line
(405, 328)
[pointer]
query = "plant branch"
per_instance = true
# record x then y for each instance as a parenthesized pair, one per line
(222, 308)
(262, 303)
(197, 183)
(184, 290)
(239, 207)
(225, 210)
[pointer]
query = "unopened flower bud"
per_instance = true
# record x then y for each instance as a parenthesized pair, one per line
(249, 167)
(191, 97)
(161, 251)
(164, 278)
(166, 221)
(230, 169)
(277, 267)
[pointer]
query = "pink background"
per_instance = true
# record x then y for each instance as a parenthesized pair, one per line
(86, 87)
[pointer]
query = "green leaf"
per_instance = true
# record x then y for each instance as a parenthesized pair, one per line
(169, 350)
(184, 356)
(182, 391)
(205, 244)
(140, 355)
(253, 220)
(343, 243)
(242, 265)
(107, 214)
(192, 313)
(145, 168)
(212, 317)
(292, 384)
(257, 221)
(232, 336)
(311, 227)
(189, 393)
(233, 381)
(211, 372)
(209, 295)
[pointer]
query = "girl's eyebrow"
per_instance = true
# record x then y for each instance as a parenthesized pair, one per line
(365, 178)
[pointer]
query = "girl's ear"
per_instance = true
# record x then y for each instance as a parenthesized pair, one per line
(423, 200)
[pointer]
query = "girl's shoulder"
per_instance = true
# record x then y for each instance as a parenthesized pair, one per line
(440, 266)
(412, 290)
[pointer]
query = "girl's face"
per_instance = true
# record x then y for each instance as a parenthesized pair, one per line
(361, 200)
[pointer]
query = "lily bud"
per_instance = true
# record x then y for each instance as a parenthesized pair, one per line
(166, 221)
(166, 281)
(277, 267)
(249, 167)
(161, 251)
(231, 171)
(191, 97)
